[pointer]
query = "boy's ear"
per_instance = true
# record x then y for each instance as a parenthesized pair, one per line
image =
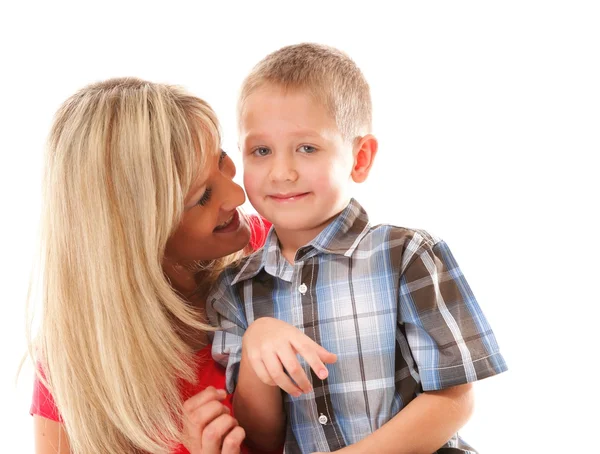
(364, 156)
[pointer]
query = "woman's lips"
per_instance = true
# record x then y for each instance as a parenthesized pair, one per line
(230, 224)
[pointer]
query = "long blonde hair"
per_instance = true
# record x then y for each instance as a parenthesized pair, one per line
(122, 155)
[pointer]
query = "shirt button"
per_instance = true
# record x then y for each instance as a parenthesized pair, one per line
(303, 288)
(323, 419)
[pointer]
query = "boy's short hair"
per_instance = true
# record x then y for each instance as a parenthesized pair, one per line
(325, 72)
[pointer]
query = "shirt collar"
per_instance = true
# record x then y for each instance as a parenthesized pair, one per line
(341, 237)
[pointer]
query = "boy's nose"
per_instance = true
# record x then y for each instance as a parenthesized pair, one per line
(284, 170)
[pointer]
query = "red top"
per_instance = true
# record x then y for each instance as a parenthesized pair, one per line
(259, 228)
(209, 374)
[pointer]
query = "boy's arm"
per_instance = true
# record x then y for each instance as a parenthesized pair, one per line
(452, 346)
(258, 408)
(423, 426)
(270, 349)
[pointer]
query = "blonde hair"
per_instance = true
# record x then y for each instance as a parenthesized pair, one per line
(122, 155)
(328, 74)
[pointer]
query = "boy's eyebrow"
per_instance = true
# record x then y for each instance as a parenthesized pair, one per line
(307, 133)
(257, 137)
(298, 134)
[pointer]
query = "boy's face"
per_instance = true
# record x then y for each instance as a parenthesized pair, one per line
(297, 166)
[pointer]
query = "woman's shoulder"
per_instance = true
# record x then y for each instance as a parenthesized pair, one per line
(208, 373)
(42, 403)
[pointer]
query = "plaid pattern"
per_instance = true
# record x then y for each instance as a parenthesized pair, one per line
(392, 304)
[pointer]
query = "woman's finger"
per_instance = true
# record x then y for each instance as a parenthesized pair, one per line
(233, 441)
(215, 432)
(210, 393)
(204, 414)
(195, 422)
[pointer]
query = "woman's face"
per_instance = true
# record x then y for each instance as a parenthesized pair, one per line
(211, 226)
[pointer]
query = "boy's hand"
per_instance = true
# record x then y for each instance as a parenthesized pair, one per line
(270, 344)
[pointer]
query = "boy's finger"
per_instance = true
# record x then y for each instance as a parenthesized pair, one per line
(288, 358)
(314, 354)
(325, 355)
(275, 369)
(261, 372)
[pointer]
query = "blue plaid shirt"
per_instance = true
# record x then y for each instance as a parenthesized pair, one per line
(391, 303)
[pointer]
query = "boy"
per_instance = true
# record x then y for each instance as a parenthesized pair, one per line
(390, 302)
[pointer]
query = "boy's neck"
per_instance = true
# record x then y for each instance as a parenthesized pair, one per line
(292, 240)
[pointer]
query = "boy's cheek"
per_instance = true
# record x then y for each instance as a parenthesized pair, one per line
(250, 183)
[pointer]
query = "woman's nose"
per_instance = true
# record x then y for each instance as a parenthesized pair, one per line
(228, 167)
(235, 196)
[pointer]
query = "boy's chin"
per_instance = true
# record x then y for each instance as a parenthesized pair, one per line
(291, 223)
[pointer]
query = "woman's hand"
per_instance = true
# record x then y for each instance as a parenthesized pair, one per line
(208, 426)
(272, 345)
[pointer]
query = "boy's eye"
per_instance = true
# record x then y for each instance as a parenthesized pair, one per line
(261, 151)
(205, 197)
(308, 149)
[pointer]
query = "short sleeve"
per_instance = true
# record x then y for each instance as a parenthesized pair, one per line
(226, 312)
(42, 403)
(448, 334)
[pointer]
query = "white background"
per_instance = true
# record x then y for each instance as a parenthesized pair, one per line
(488, 118)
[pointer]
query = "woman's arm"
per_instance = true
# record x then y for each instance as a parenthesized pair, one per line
(50, 436)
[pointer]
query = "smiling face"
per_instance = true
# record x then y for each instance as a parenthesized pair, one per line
(211, 227)
(297, 166)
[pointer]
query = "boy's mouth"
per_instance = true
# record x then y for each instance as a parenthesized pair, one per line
(290, 197)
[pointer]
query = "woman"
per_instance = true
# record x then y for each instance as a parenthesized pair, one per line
(140, 215)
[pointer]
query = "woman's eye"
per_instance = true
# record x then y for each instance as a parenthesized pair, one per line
(308, 149)
(261, 151)
(205, 197)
